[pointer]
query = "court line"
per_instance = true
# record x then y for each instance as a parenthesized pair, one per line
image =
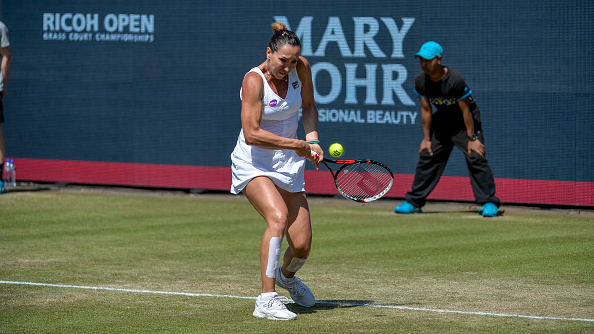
(319, 302)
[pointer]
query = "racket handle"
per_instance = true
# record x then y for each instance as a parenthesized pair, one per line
(314, 154)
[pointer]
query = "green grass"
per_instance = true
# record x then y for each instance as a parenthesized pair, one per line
(524, 264)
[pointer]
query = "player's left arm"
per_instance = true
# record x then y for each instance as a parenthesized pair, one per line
(308, 106)
(473, 145)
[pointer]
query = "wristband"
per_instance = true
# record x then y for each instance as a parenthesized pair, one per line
(313, 141)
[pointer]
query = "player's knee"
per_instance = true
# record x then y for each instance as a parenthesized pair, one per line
(278, 222)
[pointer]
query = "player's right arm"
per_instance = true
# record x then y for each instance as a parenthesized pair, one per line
(251, 116)
(426, 117)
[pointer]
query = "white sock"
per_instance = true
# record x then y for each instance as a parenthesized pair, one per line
(267, 295)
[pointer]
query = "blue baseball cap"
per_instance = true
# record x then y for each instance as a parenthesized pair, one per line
(429, 51)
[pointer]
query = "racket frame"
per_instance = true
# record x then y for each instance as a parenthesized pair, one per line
(344, 164)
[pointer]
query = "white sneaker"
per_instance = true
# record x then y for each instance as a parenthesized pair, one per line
(273, 309)
(299, 292)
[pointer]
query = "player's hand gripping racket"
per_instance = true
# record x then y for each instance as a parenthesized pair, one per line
(360, 180)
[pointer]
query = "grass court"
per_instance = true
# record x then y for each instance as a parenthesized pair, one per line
(88, 260)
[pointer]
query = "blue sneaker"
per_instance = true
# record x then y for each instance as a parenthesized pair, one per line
(489, 210)
(2, 188)
(407, 208)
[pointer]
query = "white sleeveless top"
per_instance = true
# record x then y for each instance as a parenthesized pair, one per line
(279, 116)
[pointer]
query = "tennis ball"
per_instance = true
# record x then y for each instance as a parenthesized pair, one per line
(336, 150)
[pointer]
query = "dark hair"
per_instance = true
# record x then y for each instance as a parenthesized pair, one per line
(282, 36)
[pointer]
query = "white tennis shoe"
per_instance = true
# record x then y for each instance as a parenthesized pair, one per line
(273, 309)
(299, 292)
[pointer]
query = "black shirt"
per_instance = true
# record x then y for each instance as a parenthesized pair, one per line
(445, 93)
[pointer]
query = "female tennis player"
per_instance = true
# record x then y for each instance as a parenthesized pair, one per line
(268, 166)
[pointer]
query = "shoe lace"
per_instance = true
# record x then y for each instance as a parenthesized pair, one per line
(274, 302)
(298, 287)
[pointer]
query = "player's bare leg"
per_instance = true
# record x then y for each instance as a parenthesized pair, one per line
(265, 198)
(298, 232)
(299, 237)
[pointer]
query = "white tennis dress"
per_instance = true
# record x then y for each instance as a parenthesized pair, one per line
(279, 116)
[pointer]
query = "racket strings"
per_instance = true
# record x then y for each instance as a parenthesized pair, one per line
(363, 181)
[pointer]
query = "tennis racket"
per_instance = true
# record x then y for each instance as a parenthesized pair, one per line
(360, 180)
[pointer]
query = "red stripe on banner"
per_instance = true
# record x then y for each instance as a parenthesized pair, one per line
(317, 182)
(124, 174)
(509, 190)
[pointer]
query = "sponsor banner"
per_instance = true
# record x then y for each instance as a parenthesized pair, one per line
(317, 182)
(356, 68)
(151, 84)
(86, 27)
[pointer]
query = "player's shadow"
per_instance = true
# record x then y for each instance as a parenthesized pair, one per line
(324, 305)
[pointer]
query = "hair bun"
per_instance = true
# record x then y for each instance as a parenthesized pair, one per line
(278, 26)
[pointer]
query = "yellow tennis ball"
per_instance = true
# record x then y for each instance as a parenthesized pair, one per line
(336, 150)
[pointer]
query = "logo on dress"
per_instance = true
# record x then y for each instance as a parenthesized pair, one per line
(273, 103)
(295, 84)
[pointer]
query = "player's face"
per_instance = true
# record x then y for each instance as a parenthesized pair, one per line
(283, 61)
(430, 65)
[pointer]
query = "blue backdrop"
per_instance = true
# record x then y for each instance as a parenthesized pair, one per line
(154, 82)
